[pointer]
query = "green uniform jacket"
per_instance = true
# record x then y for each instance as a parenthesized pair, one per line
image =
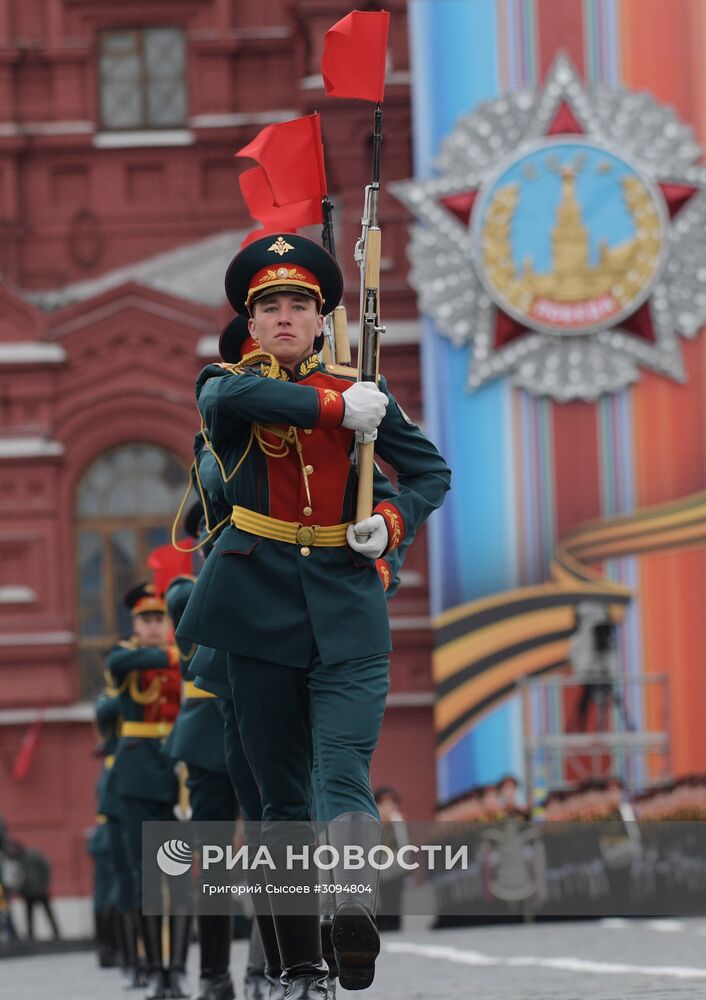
(266, 599)
(209, 667)
(209, 670)
(198, 736)
(108, 720)
(141, 770)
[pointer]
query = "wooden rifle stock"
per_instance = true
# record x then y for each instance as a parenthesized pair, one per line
(368, 359)
(340, 336)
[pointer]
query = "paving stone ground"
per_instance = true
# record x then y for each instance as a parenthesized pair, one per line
(610, 960)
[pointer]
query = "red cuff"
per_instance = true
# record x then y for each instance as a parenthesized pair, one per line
(331, 408)
(394, 522)
(384, 572)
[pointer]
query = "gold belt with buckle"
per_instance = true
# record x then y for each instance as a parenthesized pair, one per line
(155, 730)
(327, 536)
(189, 690)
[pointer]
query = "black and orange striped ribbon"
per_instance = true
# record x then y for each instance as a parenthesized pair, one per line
(484, 648)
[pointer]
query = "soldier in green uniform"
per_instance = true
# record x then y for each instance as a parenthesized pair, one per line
(197, 739)
(290, 588)
(209, 670)
(106, 881)
(110, 805)
(145, 671)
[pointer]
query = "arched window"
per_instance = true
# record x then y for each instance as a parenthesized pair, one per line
(125, 505)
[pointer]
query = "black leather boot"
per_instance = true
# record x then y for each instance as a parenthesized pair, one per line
(131, 931)
(120, 948)
(105, 938)
(313, 986)
(255, 985)
(156, 975)
(276, 989)
(304, 973)
(179, 932)
(354, 934)
(268, 938)
(326, 945)
(298, 926)
(327, 951)
(214, 947)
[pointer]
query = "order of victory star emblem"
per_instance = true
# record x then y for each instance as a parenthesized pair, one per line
(564, 239)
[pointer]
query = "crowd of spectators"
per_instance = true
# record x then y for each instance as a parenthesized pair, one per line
(595, 800)
(485, 804)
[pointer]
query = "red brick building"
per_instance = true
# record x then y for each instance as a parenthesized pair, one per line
(119, 210)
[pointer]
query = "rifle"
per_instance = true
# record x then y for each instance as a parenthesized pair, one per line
(336, 342)
(367, 255)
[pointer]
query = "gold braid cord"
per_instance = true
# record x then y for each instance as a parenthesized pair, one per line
(144, 697)
(484, 648)
(270, 368)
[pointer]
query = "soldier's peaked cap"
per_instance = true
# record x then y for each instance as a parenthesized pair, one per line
(235, 340)
(143, 599)
(283, 263)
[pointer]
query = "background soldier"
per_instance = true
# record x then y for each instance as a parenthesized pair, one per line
(107, 879)
(198, 740)
(145, 672)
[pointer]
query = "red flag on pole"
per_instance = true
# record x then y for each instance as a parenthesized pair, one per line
(23, 760)
(257, 195)
(292, 157)
(355, 54)
(166, 563)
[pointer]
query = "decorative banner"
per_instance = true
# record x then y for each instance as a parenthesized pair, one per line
(485, 647)
(565, 239)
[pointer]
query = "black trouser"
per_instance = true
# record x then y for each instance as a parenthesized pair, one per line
(43, 901)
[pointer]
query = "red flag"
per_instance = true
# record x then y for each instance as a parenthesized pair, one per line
(166, 563)
(355, 53)
(23, 761)
(292, 156)
(257, 195)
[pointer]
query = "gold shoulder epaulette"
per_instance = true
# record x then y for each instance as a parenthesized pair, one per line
(129, 643)
(347, 370)
(233, 369)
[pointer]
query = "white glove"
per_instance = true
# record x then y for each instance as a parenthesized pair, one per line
(364, 407)
(368, 537)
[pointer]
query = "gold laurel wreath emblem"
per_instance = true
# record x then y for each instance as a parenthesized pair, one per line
(622, 271)
(308, 366)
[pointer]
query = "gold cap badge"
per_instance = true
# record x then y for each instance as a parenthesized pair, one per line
(280, 246)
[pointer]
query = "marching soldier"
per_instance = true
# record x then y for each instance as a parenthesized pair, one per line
(107, 878)
(209, 668)
(111, 805)
(197, 739)
(290, 589)
(145, 672)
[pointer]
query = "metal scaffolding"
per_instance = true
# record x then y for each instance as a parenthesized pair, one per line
(557, 759)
